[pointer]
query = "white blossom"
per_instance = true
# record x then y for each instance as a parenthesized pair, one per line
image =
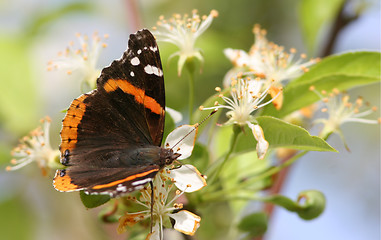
(246, 98)
(340, 110)
(183, 31)
(35, 148)
(81, 60)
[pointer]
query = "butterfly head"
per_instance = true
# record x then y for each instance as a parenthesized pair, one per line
(167, 156)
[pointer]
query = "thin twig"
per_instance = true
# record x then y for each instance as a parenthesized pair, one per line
(341, 21)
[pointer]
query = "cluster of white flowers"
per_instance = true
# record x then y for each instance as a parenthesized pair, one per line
(268, 60)
(186, 178)
(163, 208)
(35, 148)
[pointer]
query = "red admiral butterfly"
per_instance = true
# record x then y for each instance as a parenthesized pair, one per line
(110, 137)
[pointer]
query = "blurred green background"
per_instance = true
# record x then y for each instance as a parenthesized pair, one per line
(32, 32)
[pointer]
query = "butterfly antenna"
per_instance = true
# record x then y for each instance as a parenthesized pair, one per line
(195, 127)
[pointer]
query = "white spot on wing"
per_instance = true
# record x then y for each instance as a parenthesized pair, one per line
(139, 51)
(121, 188)
(141, 182)
(132, 74)
(153, 70)
(135, 61)
(153, 49)
(139, 187)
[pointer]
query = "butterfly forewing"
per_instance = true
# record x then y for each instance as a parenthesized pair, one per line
(141, 64)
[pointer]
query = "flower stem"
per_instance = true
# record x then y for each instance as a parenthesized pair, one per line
(233, 141)
(271, 171)
(190, 65)
(191, 97)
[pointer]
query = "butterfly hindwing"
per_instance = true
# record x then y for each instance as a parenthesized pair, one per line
(111, 181)
(103, 130)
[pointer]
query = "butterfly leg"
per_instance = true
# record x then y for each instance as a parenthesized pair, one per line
(152, 202)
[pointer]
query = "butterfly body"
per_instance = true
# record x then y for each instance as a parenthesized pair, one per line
(111, 136)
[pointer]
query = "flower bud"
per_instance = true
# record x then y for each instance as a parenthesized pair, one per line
(312, 204)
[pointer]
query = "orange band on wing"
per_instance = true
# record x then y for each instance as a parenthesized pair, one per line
(64, 183)
(139, 94)
(125, 179)
(70, 123)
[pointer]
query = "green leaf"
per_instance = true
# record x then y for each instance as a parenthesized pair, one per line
(314, 15)
(343, 72)
(282, 134)
(93, 201)
(309, 205)
(254, 224)
(365, 64)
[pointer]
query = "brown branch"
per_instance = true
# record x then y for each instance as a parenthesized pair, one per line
(276, 188)
(341, 21)
(105, 217)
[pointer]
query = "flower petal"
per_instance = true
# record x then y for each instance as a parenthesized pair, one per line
(206, 23)
(231, 74)
(262, 144)
(187, 178)
(175, 115)
(182, 140)
(186, 222)
(129, 219)
(181, 63)
(277, 94)
(238, 57)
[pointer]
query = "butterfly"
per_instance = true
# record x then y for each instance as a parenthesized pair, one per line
(111, 136)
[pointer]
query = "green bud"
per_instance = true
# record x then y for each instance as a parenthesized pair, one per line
(254, 224)
(312, 204)
(190, 62)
